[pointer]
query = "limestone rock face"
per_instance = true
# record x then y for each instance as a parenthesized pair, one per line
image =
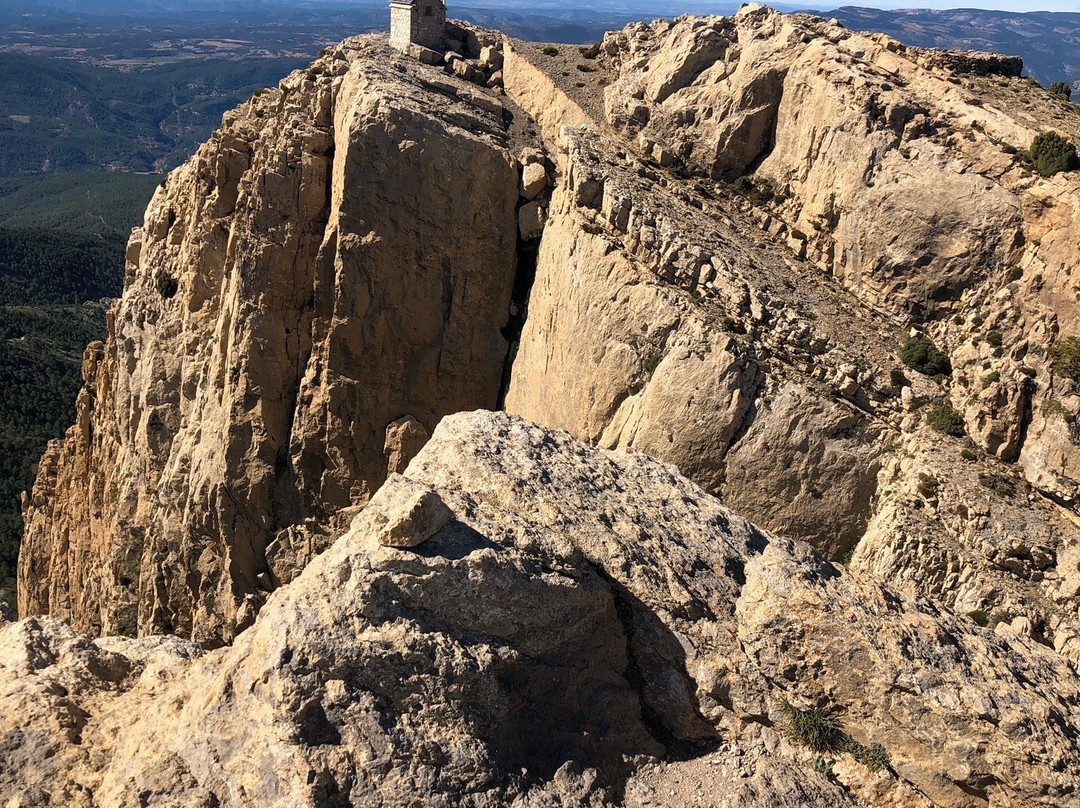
(655, 326)
(791, 97)
(808, 462)
(343, 251)
(751, 331)
(748, 332)
(894, 170)
(581, 611)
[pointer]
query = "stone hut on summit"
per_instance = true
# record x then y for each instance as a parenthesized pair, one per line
(417, 22)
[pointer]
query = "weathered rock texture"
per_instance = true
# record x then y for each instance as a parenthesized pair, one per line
(343, 252)
(584, 620)
(751, 333)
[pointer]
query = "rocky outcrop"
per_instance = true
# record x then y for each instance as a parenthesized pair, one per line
(893, 169)
(750, 332)
(974, 62)
(589, 627)
(826, 115)
(676, 317)
(308, 296)
(473, 610)
(747, 331)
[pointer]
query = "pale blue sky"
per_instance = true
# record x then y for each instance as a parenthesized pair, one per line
(999, 5)
(996, 5)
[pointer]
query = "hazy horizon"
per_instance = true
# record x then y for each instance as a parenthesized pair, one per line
(1018, 6)
(623, 6)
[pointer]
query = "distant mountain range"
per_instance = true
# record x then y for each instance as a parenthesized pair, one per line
(1049, 42)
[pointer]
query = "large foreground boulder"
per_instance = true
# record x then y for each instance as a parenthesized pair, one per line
(586, 629)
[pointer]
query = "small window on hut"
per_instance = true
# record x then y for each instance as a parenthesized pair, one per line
(429, 11)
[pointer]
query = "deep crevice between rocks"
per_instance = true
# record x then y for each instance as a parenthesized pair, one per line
(629, 611)
(524, 276)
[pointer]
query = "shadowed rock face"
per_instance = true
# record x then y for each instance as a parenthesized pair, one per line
(343, 250)
(581, 611)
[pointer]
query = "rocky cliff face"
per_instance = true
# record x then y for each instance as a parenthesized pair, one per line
(751, 332)
(582, 614)
(308, 296)
(718, 267)
(335, 271)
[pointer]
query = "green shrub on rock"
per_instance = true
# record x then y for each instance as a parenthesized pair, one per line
(821, 766)
(920, 353)
(874, 757)
(1065, 358)
(946, 419)
(167, 285)
(815, 728)
(1051, 153)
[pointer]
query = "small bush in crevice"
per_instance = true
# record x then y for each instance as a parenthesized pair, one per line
(920, 353)
(1065, 358)
(874, 757)
(590, 51)
(1062, 89)
(944, 418)
(1052, 407)
(898, 379)
(549, 50)
(167, 285)
(652, 362)
(816, 728)
(979, 618)
(821, 766)
(759, 191)
(1000, 484)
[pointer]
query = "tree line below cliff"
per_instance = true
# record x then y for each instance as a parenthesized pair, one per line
(51, 286)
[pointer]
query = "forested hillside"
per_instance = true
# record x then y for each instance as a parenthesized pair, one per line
(48, 267)
(1047, 41)
(87, 202)
(51, 283)
(40, 355)
(65, 116)
(93, 112)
